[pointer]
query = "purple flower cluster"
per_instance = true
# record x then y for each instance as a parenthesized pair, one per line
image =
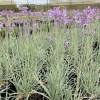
(7, 13)
(60, 16)
(82, 17)
(86, 16)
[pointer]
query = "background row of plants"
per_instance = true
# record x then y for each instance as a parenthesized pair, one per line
(46, 7)
(26, 21)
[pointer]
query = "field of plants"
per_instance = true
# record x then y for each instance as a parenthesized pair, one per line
(52, 55)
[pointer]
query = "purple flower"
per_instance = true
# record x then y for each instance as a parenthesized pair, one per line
(67, 20)
(23, 8)
(1, 25)
(64, 12)
(66, 44)
(55, 12)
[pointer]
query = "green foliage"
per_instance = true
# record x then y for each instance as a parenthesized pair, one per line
(36, 63)
(9, 7)
(2, 33)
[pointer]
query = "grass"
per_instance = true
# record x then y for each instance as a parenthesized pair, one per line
(24, 60)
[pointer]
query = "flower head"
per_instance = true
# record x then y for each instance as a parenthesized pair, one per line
(66, 44)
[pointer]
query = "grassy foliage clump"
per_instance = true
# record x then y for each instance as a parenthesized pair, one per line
(40, 64)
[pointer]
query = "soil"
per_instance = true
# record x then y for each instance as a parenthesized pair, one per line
(37, 96)
(34, 96)
(7, 87)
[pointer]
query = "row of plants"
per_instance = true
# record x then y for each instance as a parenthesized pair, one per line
(59, 63)
(27, 21)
